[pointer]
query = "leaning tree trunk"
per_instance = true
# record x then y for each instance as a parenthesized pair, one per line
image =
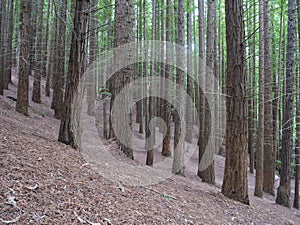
(235, 184)
(24, 67)
(70, 126)
(284, 189)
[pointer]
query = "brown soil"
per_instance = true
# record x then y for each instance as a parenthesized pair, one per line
(46, 182)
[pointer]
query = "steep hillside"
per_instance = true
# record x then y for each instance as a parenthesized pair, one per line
(46, 182)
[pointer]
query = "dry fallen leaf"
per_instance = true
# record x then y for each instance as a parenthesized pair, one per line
(32, 188)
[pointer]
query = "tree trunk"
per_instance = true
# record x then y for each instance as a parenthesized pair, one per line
(33, 20)
(2, 5)
(189, 112)
(59, 62)
(139, 68)
(124, 23)
(45, 71)
(70, 126)
(283, 191)
(36, 92)
(10, 31)
(150, 127)
(93, 50)
(179, 132)
(259, 177)
(3, 44)
(166, 148)
(269, 156)
(24, 68)
(235, 184)
(297, 148)
(208, 175)
(252, 94)
(201, 96)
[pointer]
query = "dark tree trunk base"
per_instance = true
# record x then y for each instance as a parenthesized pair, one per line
(283, 197)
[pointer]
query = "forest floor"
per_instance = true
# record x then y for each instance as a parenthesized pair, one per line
(46, 182)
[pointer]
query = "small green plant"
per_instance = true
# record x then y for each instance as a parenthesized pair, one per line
(42, 114)
(5, 113)
(278, 165)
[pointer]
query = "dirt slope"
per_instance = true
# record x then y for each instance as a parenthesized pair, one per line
(45, 182)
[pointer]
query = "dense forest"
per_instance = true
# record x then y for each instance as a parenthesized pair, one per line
(160, 79)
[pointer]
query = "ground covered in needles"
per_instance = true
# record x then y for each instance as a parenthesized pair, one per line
(45, 182)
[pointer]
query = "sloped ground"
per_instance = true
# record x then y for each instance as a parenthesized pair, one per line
(45, 182)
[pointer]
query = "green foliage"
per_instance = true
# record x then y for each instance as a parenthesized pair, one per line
(5, 113)
(42, 114)
(278, 165)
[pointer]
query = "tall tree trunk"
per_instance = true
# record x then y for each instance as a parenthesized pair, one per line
(10, 31)
(277, 83)
(24, 70)
(93, 50)
(59, 62)
(179, 145)
(235, 184)
(34, 12)
(2, 79)
(208, 175)
(36, 93)
(166, 148)
(3, 44)
(139, 68)
(189, 112)
(251, 111)
(269, 156)
(108, 44)
(70, 126)
(45, 69)
(124, 23)
(259, 177)
(276, 88)
(297, 148)
(52, 64)
(201, 103)
(284, 189)
(162, 65)
(150, 127)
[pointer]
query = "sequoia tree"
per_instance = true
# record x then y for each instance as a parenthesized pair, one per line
(284, 189)
(235, 184)
(24, 67)
(69, 132)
